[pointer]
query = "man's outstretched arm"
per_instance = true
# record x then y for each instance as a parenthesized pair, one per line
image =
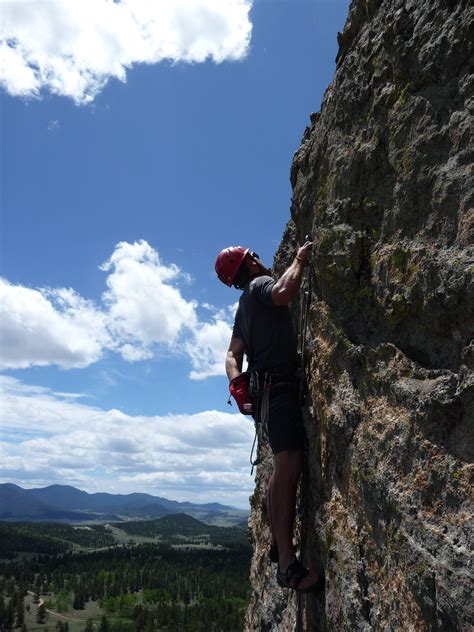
(288, 285)
(234, 358)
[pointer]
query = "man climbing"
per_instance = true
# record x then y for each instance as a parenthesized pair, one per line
(269, 389)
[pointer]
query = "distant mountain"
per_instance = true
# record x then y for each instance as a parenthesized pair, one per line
(66, 503)
(71, 498)
(17, 503)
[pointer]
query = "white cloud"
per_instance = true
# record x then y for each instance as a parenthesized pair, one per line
(135, 354)
(208, 346)
(142, 304)
(53, 125)
(48, 438)
(142, 314)
(41, 327)
(72, 48)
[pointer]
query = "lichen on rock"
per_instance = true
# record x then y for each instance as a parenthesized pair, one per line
(383, 181)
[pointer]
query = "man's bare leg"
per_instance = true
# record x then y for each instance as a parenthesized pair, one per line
(284, 484)
(288, 468)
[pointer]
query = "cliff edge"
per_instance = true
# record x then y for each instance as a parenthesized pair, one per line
(383, 180)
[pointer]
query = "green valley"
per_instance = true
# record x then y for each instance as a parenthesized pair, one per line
(171, 574)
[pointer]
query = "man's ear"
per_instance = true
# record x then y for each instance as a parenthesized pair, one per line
(251, 262)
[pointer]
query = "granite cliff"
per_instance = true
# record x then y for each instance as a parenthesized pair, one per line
(383, 180)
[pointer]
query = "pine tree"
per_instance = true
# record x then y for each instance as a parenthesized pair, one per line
(20, 610)
(10, 614)
(10, 588)
(41, 614)
(78, 602)
(89, 626)
(104, 624)
(150, 624)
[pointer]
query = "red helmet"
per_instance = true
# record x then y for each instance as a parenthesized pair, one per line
(228, 263)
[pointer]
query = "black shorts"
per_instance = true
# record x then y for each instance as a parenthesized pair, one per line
(285, 421)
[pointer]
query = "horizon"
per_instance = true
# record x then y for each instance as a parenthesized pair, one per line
(181, 502)
(136, 147)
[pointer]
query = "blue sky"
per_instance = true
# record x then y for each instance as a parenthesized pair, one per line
(117, 195)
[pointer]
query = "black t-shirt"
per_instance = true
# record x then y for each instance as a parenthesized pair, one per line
(266, 329)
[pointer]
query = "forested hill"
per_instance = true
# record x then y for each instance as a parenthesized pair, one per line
(175, 527)
(173, 573)
(168, 525)
(55, 539)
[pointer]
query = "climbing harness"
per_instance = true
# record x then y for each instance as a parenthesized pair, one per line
(260, 387)
(261, 398)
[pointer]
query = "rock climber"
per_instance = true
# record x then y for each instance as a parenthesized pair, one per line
(269, 389)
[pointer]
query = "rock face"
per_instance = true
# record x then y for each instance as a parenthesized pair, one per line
(383, 181)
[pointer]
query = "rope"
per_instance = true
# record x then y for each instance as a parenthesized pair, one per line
(304, 317)
(299, 597)
(304, 314)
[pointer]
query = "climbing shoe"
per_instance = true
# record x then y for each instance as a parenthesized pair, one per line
(294, 575)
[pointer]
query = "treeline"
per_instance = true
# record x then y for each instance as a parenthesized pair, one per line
(178, 526)
(211, 615)
(18, 538)
(49, 538)
(152, 586)
(122, 570)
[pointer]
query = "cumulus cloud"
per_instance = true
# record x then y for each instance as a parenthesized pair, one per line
(142, 314)
(49, 438)
(208, 346)
(41, 327)
(73, 48)
(142, 304)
